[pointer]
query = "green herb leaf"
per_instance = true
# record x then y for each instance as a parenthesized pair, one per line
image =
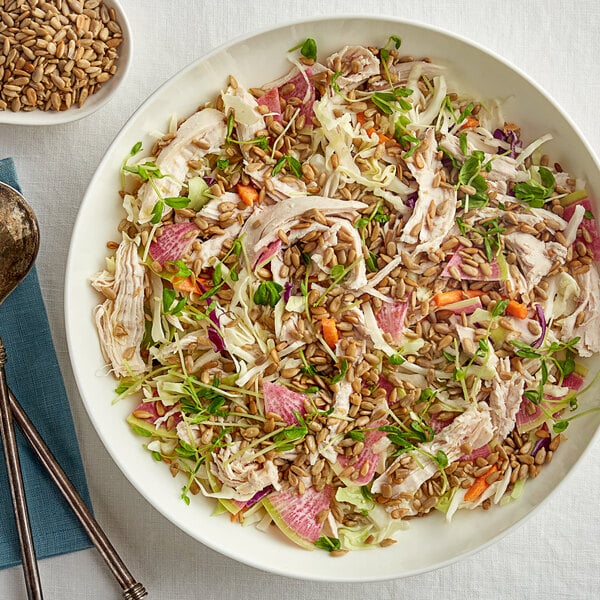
(309, 49)
(356, 435)
(178, 202)
(328, 543)
(442, 459)
(157, 212)
(268, 293)
(343, 370)
(396, 359)
(141, 431)
(500, 308)
(560, 426)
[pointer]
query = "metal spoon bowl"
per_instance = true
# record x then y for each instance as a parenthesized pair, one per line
(19, 245)
(19, 239)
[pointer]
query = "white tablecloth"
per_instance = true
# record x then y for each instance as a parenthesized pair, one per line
(554, 554)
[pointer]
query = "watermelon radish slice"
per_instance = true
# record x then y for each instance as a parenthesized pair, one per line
(296, 515)
(273, 103)
(384, 384)
(438, 424)
(591, 225)
(283, 402)
(482, 451)
(527, 422)
(390, 319)
(148, 423)
(303, 89)
(498, 267)
(573, 381)
(371, 438)
(268, 253)
(175, 241)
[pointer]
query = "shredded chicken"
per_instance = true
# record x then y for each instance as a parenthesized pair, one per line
(535, 258)
(472, 428)
(120, 322)
(356, 65)
(203, 133)
(241, 474)
(434, 211)
(588, 303)
(505, 400)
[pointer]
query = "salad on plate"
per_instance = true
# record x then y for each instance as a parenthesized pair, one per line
(349, 298)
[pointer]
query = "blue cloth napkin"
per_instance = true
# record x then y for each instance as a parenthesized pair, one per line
(34, 376)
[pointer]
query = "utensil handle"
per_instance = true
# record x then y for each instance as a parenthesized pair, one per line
(132, 590)
(17, 489)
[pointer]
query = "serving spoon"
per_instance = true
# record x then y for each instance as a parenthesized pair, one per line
(19, 243)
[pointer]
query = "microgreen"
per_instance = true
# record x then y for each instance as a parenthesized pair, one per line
(396, 359)
(490, 233)
(328, 543)
(170, 307)
(261, 141)
(268, 293)
(405, 137)
(536, 193)
(293, 163)
(384, 54)
(338, 274)
(356, 435)
(390, 102)
(308, 48)
(342, 372)
(470, 174)
(177, 202)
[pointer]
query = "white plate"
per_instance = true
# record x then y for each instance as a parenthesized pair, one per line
(430, 542)
(95, 101)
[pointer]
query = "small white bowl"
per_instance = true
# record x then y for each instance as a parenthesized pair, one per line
(93, 102)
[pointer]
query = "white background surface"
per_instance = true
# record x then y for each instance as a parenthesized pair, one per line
(554, 554)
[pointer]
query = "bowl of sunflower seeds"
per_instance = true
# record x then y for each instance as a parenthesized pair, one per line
(60, 60)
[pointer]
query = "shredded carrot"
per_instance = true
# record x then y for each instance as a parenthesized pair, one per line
(247, 193)
(469, 123)
(330, 332)
(187, 285)
(360, 117)
(516, 309)
(444, 298)
(450, 297)
(473, 293)
(480, 484)
(382, 138)
(237, 517)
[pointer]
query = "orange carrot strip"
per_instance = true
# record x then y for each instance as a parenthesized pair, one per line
(480, 485)
(360, 117)
(186, 285)
(382, 138)
(330, 332)
(473, 293)
(247, 193)
(450, 297)
(469, 123)
(516, 309)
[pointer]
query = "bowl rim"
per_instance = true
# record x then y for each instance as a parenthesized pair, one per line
(249, 559)
(95, 102)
